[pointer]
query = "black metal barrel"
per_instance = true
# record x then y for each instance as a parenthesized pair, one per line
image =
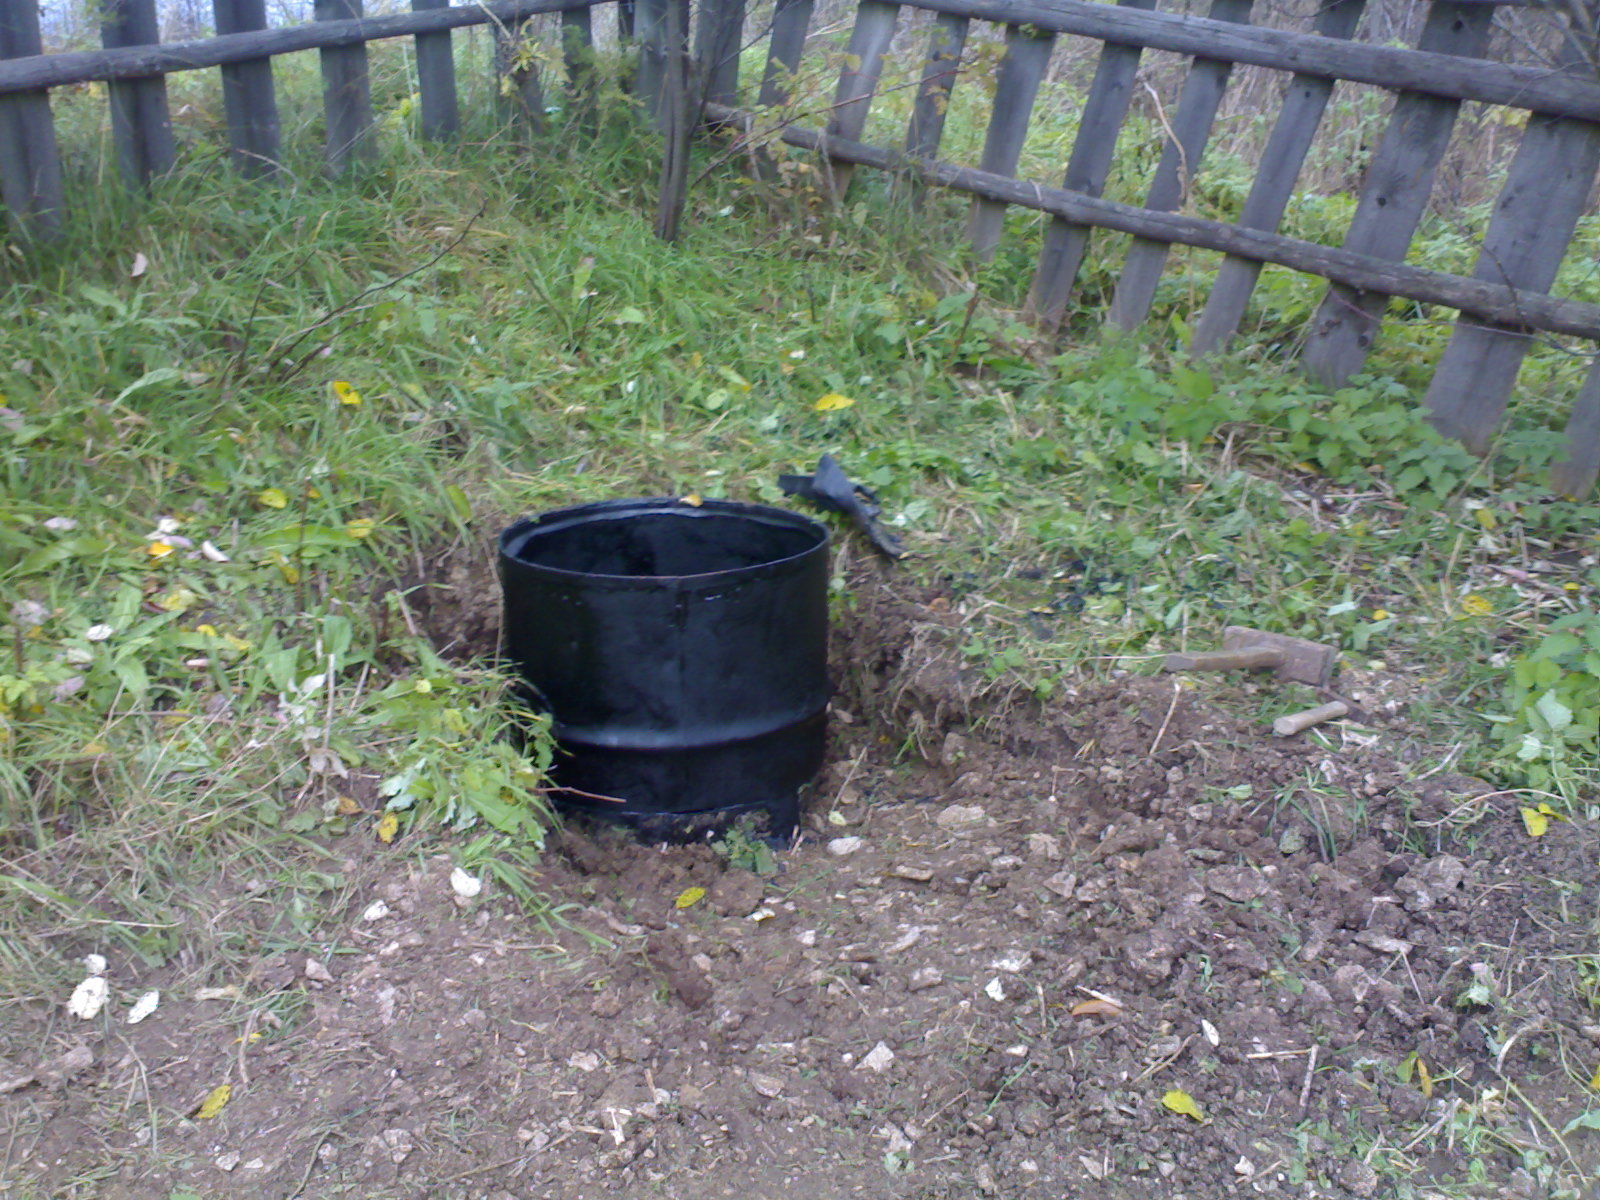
(681, 651)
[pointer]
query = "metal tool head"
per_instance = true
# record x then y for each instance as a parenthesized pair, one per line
(1303, 661)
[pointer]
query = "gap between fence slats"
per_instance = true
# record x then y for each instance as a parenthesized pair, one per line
(1187, 135)
(1304, 101)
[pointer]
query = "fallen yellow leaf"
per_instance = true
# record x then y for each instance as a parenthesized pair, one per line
(1424, 1078)
(215, 1102)
(1096, 1008)
(158, 550)
(348, 807)
(272, 498)
(360, 527)
(1474, 605)
(346, 393)
(1183, 1103)
(693, 500)
(1594, 1084)
(833, 402)
(388, 826)
(690, 896)
(1534, 821)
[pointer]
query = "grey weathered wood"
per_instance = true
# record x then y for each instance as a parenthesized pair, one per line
(436, 79)
(1191, 124)
(718, 38)
(140, 123)
(680, 111)
(791, 22)
(1575, 474)
(1304, 100)
(30, 164)
(521, 85)
(946, 41)
(1537, 89)
(1016, 87)
(650, 31)
(249, 98)
(1364, 272)
(1399, 181)
(1066, 242)
(1547, 189)
(869, 42)
(346, 91)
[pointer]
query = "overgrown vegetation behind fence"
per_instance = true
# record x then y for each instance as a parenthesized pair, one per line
(689, 68)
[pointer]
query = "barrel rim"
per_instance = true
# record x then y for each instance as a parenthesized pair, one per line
(519, 533)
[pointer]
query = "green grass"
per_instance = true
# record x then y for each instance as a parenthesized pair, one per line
(222, 481)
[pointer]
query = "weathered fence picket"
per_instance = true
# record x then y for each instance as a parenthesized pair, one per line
(140, 123)
(1304, 101)
(1503, 306)
(1187, 134)
(249, 99)
(1399, 182)
(346, 91)
(520, 87)
(440, 117)
(1027, 57)
(30, 164)
(858, 82)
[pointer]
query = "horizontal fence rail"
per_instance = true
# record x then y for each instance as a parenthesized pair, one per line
(688, 71)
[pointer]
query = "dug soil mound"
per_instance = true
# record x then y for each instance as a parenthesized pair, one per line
(1121, 945)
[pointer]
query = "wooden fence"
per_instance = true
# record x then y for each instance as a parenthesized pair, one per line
(1504, 305)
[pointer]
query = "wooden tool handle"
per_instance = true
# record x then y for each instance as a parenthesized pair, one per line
(1225, 660)
(1296, 722)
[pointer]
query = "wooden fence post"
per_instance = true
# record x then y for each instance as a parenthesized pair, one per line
(248, 96)
(946, 43)
(869, 42)
(436, 79)
(1304, 101)
(1547, 189)
(1188, 133)
(718, 39)
(1065, 242)
(1399, 181)
(1021, 71)
(346, 92)
(1575, 474)
(30, 164)
(140, 122)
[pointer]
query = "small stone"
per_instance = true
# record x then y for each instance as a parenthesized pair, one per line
(924, 978)
(806, 937)
(376, 911)
(1426, 885)
(1012, 964)
(1239, 884)
(399, 1143)
(877, 1059)
(584, 1060)
(1382, 942)
(1063, 884)
(984, 1178)
(915, 874)
(316, 972)
(960, 816)
(766, 1085)
(995, 990)
(1358, 1177)
(228, 1161)
(844, 845)
(1292, 842)
(1042, 847)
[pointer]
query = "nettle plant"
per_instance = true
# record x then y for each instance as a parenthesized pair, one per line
(1553, 703)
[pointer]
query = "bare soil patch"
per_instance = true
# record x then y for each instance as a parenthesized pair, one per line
(979, 973)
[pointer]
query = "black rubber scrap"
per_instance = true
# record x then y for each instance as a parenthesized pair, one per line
(831, 490)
